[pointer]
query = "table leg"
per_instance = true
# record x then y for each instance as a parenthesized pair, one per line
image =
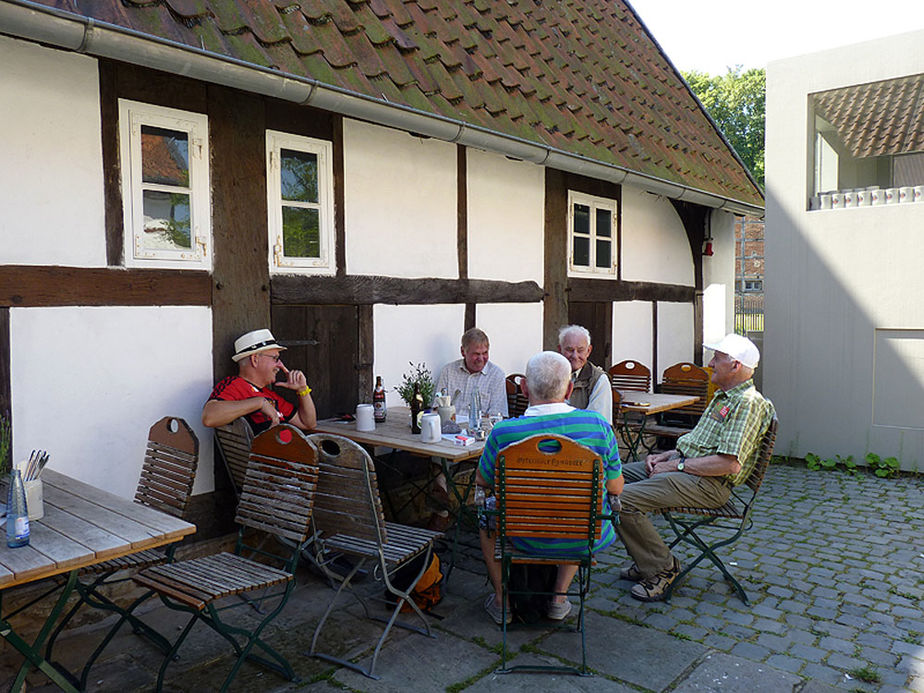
(462, 509)
(32, 652)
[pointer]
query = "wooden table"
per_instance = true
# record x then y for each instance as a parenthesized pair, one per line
(646, 404)
(395, 433)
(82, 525)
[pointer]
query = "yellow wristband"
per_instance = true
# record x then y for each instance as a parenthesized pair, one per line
(306, 391)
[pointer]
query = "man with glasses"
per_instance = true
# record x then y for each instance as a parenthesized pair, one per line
(248, 394)
(591, 384)
(717, 455)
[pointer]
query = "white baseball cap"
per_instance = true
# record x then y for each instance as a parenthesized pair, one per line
(739, 348)
(253, 343)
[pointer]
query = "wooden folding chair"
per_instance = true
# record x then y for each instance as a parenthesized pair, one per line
(548, 487)
(682, 379)
(234, 440)
(166, 482)
(348, 518)
(516, 399)
(734, 517)
(276, 497)
(630, 375)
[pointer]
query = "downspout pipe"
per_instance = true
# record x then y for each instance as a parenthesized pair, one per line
(61, 29)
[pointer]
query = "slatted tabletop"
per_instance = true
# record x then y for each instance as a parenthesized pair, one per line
(649, 403)
(395, 433)
(84, 525)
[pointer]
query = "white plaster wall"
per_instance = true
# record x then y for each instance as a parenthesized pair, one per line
(400, 210)
(654, 243)
(632, 337)
(414, 334)
(88, 383)
(515, 331)
(506, 201)
(675, 335)
(836, 277)
(51, 178)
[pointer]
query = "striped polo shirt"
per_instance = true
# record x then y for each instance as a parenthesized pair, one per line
(581, 425)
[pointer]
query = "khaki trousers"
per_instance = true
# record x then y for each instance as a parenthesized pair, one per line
(643, 494)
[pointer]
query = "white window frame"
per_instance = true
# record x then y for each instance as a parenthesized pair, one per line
(278, 262)
(595, 203)
(132, 116)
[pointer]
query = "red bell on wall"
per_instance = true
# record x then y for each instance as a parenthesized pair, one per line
(707, 247)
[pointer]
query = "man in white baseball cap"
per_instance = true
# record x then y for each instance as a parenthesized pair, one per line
(718, 454)
(248, 394)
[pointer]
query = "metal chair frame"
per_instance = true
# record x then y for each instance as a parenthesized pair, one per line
(276, 497)
(166, 482)
(549, 495)
(734, 517)
(349, 519)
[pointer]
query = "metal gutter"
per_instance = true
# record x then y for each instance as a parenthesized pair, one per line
(61, 29)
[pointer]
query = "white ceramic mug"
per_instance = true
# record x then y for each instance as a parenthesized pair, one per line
(824, 201)
(850, 199)
(906, 194)
(837, 200)
(864, 198)
(919, 193)
(430, 431)
(365, 417)
(878, 197)
(891, 196)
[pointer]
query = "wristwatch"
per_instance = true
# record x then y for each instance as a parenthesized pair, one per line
(682, 463)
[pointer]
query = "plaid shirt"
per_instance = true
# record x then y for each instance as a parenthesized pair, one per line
(732, 424)
(455, 377)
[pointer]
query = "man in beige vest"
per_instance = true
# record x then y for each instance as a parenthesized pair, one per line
(591, 384)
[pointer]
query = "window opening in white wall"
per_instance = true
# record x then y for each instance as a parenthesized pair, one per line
(591, 234)
(165, 186)
(300, 203)
(868, 143)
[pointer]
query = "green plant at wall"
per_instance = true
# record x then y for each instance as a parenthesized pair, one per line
(420, 375)
(5, 451)
(883, 468)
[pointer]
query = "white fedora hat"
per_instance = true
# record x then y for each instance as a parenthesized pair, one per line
(253, 343)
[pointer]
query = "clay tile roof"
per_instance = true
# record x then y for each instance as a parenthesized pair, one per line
(878, 118)
(579, 75)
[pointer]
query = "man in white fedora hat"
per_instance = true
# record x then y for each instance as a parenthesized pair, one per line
(718, 454)
(248, 394)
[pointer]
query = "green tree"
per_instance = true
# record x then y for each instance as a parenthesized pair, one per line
(736, 101)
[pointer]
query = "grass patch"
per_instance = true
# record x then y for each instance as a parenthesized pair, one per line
(497, 648)
(912, 637)
(681, 636)
(865, 674)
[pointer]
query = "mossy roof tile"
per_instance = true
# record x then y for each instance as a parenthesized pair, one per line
(580, 75)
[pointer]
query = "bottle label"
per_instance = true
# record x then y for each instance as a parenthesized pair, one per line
(22, 527)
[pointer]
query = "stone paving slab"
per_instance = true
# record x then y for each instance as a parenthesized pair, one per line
(721, 672)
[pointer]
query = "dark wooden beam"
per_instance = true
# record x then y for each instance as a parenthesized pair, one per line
(32, 286)
(462, 210)
(6, 400)
(604, 290)
(339, 200)
(555, 258)
(366, 290)
(112, 189)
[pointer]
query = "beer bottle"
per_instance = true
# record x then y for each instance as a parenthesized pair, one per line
(378, 400)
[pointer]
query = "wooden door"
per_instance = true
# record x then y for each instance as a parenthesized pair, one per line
(597, 317)
(324, 342)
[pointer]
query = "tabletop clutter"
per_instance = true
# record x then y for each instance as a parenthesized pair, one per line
(25, 500)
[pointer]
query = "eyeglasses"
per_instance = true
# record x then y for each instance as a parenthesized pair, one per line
(276, 357)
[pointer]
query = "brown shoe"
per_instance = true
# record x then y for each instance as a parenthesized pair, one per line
(652, 589)
(439, 523)
(632, 573)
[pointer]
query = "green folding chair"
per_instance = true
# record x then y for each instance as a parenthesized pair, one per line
(277, 497)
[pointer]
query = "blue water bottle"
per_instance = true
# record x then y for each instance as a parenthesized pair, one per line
(17, 515)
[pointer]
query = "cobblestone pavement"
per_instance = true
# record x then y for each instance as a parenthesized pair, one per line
(834, 569)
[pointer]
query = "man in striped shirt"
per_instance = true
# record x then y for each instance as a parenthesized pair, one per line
(547, 386)
(718, 454)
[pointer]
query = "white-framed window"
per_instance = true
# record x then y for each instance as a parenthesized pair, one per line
(591, 234)
(300, 203)
(166, 199)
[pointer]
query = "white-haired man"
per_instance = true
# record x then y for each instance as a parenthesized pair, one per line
(547, 385)
(248, 394)
(718, 454)
(591, 384)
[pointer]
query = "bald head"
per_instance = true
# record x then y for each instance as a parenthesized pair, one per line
(548, 375)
